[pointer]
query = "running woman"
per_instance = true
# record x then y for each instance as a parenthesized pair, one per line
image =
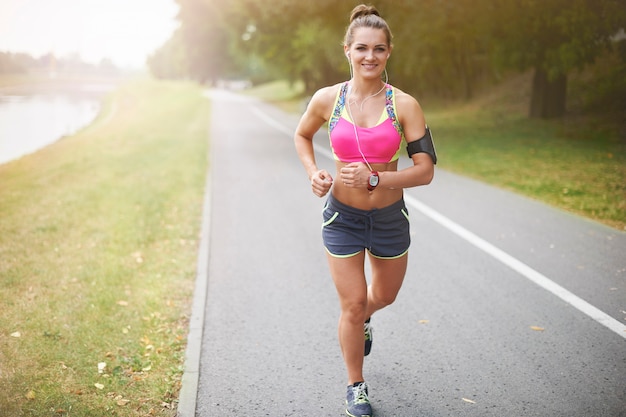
(370, 123)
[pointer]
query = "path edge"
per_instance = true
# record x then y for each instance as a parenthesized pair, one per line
(189, 384)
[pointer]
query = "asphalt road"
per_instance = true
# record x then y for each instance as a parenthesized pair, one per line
(510, 308)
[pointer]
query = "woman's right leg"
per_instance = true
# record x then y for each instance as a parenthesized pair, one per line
(349, 277)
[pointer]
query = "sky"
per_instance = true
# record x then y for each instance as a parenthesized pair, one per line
(125, 31)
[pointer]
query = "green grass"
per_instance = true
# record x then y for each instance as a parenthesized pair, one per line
(98, 247)
(539, 159)
(286, 96)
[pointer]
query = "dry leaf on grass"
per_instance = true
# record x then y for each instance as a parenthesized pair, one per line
(16, 334)
(30, 395)
(122, 402)
(99, 386)
(138, 257)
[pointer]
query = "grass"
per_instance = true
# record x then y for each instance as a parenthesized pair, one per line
(286, 96)
(577, 164)
(98, 247)
(537, 159)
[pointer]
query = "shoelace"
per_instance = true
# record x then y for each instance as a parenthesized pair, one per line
(368, 331)
(360, 394)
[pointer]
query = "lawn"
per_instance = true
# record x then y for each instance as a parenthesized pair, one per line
(98, 246)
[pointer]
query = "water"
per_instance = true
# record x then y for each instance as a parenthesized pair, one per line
(32, 118)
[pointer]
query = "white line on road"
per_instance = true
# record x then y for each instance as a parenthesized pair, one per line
(508, 260)
(520, 267)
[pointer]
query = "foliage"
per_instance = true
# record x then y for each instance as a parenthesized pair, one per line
(553, 38)
(15, 63)
(170, 61)
(21, 63)
(443, 48)
(556, 36)
(440, 47)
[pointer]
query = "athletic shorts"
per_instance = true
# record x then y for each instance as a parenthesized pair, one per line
(384, 232)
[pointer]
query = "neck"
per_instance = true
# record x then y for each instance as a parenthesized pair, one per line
(355, 94)
(362, 88)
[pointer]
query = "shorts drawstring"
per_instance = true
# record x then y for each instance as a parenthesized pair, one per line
(369, 224)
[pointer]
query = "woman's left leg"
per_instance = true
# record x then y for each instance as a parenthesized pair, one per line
(385, 283)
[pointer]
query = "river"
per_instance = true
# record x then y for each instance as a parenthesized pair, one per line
(34, 117)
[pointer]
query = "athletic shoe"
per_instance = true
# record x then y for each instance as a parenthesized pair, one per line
(357, 401)
(367, 328)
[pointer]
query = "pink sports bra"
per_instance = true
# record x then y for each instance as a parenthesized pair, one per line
(379, 144)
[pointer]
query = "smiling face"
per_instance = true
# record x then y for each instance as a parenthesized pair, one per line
(368, 52)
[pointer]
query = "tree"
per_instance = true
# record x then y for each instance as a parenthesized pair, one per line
(205, 38)
(170, 60)
(295, 40)
(440, 45)
(553, 38)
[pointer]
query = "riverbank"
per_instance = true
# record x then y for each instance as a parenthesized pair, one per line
(98, 242)
(34, 115)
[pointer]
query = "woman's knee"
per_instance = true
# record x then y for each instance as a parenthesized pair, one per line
(383, 298)
(355, 310)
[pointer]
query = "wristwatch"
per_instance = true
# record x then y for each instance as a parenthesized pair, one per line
(372, 182)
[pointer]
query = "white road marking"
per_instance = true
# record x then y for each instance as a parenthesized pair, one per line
(520, 267)
(508, 260)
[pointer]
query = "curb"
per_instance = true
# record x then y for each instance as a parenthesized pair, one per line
(189, 383)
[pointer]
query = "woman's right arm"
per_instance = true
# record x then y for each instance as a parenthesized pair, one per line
(313, 118)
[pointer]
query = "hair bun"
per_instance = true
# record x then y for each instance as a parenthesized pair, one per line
(362, 10)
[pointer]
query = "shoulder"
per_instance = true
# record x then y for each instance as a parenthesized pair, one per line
(323, 100)
(410, 115)
(406, 101)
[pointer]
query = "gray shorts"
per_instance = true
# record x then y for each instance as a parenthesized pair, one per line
(384, 232)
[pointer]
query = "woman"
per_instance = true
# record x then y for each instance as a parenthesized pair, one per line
(365, 212)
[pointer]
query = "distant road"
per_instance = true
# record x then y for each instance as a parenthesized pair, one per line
(510, 307)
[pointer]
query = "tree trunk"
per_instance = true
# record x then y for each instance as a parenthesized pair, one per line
(548, 95)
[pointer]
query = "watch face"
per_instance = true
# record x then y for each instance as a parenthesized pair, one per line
(373, 180)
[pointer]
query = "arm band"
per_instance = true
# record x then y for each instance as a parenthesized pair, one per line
(423, 144)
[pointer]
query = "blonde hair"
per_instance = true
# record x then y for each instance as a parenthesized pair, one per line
(363, 16)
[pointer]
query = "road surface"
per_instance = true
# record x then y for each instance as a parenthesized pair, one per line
(510, 308)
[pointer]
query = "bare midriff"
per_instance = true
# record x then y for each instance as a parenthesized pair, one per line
(361, 198)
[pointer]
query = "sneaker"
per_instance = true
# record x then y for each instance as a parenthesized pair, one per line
(357, 401)
(367, 328)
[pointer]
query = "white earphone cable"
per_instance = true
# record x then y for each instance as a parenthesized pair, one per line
(356, 134)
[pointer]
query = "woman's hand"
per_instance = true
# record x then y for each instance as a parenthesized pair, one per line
(355, 175)
(321, 181)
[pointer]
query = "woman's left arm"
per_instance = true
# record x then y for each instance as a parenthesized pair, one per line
(411, 117)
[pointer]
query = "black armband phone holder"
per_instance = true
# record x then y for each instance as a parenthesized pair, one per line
(423, 144)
